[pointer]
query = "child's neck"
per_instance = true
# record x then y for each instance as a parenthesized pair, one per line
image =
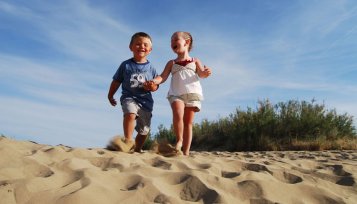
(140, 60)
(183, 56)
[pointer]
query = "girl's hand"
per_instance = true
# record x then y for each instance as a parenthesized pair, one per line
(150, 86)
(206, 72)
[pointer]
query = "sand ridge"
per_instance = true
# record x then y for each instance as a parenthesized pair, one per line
(37, 173)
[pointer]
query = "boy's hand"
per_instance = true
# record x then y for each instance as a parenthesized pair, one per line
(112, 101)
(150, 86)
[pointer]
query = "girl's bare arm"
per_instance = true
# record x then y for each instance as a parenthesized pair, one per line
(165, 74)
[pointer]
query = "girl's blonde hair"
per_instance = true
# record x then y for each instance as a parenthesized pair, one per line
(186, 36)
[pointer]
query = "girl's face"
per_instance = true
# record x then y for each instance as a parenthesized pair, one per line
(178, 43)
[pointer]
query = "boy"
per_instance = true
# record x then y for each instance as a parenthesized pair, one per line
(136, 99)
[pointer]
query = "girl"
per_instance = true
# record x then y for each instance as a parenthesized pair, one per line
(185, 92)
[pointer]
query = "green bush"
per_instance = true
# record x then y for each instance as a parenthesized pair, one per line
(270, 127)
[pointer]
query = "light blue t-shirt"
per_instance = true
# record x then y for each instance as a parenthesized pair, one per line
(132, 76)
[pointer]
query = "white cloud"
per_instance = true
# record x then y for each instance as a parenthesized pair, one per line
(74, 28)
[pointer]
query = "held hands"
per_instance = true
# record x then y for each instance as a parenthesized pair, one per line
(150, 86)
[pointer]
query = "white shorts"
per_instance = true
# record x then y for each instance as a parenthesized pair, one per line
(190, 100)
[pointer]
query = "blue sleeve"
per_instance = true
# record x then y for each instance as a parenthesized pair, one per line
(153, 72)
(119, 74)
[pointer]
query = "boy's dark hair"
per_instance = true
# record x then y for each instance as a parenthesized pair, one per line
(139, 34)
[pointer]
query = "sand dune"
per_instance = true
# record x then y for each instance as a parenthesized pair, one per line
(36, 173)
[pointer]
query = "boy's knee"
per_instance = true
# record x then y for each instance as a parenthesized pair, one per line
(131, 116)
(144, 131)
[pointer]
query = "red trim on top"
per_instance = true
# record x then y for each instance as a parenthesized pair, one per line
(184, 62)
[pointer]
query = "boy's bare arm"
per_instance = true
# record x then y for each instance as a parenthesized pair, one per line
(112, 90)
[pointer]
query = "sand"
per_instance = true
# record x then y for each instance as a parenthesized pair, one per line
(37, 173)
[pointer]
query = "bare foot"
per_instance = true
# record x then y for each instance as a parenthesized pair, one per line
(120, 144)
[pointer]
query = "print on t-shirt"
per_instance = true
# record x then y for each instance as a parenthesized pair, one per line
(137, 80)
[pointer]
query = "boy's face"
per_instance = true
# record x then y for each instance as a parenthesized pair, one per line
(141, 47)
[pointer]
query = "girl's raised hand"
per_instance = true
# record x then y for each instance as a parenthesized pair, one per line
(206, 71)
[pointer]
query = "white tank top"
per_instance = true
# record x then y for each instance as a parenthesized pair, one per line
(184, 80)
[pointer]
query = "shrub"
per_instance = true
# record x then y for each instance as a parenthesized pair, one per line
(283, 126)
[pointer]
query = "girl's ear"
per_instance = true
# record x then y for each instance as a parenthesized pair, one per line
(187, 42)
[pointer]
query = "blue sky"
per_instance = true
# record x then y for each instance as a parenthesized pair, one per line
(57, 59)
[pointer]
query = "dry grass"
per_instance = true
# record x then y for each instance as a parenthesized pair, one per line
(323, 144)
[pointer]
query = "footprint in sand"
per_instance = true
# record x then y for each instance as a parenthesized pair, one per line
(105, 163)
(281, 176)
(75, 183)
(159, 163)
(45, 173)
(133, 182)
(175, 178)
(287, 177)
(226, 174)
(255, 167)
(101, 163)
(342, 177)
(100, 152)
(249, 189)
(194, 190)
(161, 199)
(204, 166)
(38, 170)
(335, 174)
(338, 170)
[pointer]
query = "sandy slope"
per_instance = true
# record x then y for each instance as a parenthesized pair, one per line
(35, 173)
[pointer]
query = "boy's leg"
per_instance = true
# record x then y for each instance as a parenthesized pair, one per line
(178, 108)
(139, 142)
(189, 115)
(129, 124)
(130, 109)
(143, 122)
(127, 145)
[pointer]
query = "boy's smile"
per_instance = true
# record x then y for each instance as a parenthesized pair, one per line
(141, 47)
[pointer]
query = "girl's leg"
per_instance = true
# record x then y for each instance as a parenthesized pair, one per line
(129, 125)
(178, 108)
(189, 114)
